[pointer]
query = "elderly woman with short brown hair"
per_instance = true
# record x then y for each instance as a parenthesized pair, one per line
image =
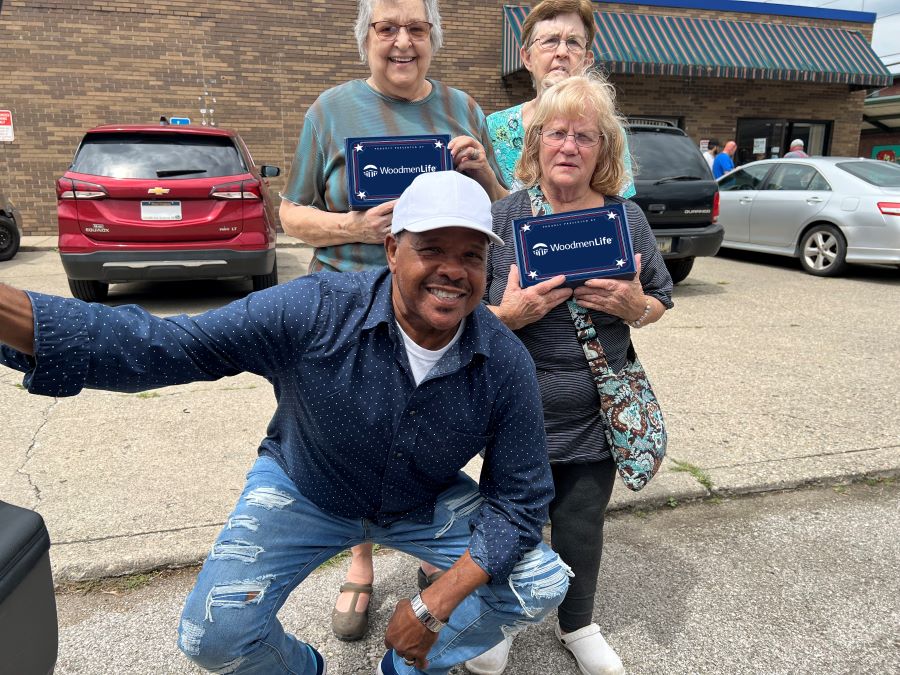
(557, 40)
(572, 160)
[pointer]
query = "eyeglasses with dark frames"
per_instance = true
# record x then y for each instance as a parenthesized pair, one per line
(556, 138)
(551, 43)
(388, 30)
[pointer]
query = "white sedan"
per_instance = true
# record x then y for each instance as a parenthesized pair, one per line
(827, 211)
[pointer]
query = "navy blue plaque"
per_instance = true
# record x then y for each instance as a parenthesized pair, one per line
(379, 169)
(582, 245)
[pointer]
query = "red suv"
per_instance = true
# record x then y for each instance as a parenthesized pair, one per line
(164, 203)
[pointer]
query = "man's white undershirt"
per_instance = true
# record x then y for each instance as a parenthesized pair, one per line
(422, 360)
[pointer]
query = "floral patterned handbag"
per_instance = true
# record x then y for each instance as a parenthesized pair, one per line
(633, 420)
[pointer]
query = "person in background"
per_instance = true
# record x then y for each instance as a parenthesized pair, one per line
(724, 161)
(572, 160)
(556, 43)
(796, 149)
(712, 149)
(397, 39)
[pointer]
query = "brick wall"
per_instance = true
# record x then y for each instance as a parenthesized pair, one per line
(258, 66)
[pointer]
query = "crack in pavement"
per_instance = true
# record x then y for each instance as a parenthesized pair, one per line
(795, 457)
(92, 540)
(29, 453)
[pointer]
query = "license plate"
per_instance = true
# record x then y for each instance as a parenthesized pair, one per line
(153, 210)
(664, 244)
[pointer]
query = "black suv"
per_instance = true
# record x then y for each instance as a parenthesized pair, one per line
(677, 193)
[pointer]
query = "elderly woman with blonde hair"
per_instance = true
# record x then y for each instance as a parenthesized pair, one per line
(572, 160)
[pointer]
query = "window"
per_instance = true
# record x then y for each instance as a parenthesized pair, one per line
(662, 155)
(748, 178)
(151, 156)
(877, 173)
(794, 177)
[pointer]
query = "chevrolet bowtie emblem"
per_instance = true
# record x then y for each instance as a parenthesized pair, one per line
(158, 191)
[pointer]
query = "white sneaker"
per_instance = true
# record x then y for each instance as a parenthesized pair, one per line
(592, 653)
(493, 661)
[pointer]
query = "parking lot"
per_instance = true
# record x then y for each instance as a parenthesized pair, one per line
(768, 378)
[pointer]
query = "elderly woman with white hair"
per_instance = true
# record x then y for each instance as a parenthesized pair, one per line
(572, 160)
(397, 39)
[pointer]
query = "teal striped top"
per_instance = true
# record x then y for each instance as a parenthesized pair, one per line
(318, 176)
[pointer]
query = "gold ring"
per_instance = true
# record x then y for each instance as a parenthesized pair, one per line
(474, 155)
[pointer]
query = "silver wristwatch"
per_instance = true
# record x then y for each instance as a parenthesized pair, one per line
(422, 614)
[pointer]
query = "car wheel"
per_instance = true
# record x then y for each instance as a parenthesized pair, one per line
(679, 268)
(823, 251)
(88, 290)
(9, 239)
(261, 281)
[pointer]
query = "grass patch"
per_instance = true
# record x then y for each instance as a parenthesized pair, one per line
(19, 385)
(149, 394)
(671, 502)
(112, 585)
(699, 474)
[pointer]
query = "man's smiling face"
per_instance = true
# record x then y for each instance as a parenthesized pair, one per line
(439, 278)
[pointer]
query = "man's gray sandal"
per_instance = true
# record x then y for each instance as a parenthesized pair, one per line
(351, 625)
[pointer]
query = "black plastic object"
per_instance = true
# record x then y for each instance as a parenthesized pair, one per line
(28, 630)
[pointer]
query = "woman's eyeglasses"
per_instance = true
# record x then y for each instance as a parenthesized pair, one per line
(552, 42)
(388, 30)
(556, 138)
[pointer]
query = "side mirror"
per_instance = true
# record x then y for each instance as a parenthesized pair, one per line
(268, 171)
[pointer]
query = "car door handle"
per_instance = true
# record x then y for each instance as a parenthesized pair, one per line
(814, 200)
(745, 200)
(656, 208)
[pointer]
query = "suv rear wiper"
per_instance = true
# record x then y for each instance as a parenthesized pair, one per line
(163, 173)
(669, 179)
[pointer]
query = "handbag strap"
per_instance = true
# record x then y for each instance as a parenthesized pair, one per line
(590, 343)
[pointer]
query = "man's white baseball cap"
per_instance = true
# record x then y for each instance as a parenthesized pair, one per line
(796, 142)
(444, 199)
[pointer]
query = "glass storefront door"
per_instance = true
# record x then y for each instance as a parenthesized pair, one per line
(770, 138)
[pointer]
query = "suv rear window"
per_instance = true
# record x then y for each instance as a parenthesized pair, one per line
(664, 155)
(880, 174)
(154, 156)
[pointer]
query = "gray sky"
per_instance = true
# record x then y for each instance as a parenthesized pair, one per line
(885, 37)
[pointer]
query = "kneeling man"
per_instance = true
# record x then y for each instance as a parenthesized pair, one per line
(388, 382)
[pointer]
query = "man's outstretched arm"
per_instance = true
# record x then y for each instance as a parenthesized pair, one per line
(16, 320)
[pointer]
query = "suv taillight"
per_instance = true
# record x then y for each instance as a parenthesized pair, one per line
(247, 189)
(66, 188)
(715, 213)
(889, 208)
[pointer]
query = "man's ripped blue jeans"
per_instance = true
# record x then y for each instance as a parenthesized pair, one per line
(275, 538)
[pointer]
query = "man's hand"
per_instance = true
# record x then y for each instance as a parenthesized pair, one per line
(407, 636)
(16, 320)
(522, 306)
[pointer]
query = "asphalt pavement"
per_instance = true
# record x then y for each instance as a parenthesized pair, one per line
(786, 583)
(769, 378)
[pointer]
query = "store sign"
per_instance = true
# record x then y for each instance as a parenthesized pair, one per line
(6, 126)
(887, 153)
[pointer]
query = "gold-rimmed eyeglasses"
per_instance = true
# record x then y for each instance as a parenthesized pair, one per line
(388, 30)
(551, 43)
(556, 138)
